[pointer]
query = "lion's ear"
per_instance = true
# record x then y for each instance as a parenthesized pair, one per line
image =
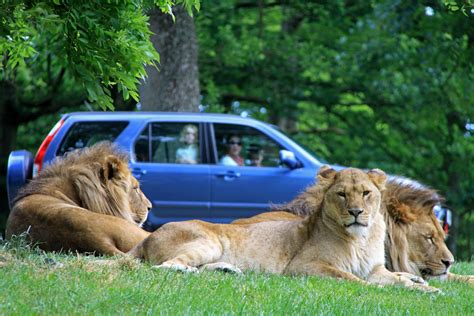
(110, 169)
(326, 175)
(378, 177)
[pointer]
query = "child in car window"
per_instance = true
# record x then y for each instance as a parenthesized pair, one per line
(255, 157)
(189, 152)
(234, 147)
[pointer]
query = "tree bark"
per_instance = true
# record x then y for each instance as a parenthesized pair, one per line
(9, 122)
(175, 86)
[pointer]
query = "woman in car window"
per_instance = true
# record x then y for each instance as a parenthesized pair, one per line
(189, 152)
(234, 147)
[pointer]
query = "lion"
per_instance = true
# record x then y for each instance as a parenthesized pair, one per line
(86, 201)
(343, 239)
(415, 240)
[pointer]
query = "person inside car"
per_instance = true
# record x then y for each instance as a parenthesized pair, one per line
(255, 157)
(234, 147)
(189, 152)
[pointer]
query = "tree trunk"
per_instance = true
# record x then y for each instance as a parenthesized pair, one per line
(175, 86)
(9, 122)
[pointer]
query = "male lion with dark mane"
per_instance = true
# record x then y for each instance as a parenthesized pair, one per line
(344, 238)
(86, 201)
(415, 240)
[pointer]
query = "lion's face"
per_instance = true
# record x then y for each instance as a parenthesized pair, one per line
(134, 200)
(107, 186)
(426, 247)
(353, 197)
(139, 203)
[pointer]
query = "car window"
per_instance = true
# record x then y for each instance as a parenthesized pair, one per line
(245, 146)
(85, 134)
(169, 143)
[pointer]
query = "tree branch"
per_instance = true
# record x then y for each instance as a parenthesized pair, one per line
(57, 82)
(48, 67)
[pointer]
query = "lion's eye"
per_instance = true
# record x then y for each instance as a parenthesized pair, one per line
(430, 239)
(365, 193)
(341, 194)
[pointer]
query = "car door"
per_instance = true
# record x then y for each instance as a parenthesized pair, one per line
(247, 188)
(172, 172)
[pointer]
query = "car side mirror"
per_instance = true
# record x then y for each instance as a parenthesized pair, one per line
(288, 158)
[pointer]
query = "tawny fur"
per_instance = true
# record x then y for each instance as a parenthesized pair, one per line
(86, 201)
(407, 207)
(326, 243)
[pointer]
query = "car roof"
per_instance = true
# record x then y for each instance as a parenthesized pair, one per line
(203, 117)
(189, 116)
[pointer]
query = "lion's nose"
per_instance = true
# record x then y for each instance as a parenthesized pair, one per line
(355, 211)
(447, 263)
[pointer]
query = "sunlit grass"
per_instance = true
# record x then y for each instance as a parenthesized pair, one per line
(34, 282)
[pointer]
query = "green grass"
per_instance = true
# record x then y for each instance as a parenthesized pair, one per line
(33, 283)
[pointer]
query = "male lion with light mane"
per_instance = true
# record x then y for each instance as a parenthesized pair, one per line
(343, 239)
(415, 240)
(87, 201)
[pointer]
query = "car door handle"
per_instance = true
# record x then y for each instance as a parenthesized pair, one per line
(138, 172)
(228, 175)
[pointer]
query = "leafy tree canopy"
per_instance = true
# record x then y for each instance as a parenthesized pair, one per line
(101, 44)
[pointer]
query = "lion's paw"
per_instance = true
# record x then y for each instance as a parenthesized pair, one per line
(221, 266)
(411, 277)
(469, 279)
(426, 288)
(177, 267)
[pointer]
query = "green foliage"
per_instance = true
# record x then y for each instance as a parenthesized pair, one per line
(166, 6)
(45, 283)
(101, 44)
(459, 5)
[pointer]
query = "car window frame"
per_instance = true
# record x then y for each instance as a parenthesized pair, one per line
(214, 152)
(69, 125)
(203, 143)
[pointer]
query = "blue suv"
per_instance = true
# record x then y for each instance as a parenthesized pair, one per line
(212, 167)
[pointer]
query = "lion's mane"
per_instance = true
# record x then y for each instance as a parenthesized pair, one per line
(85, 192)
(75, 178)
(407, 202)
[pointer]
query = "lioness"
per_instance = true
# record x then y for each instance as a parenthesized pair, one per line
(414, 241)
(87, 201)
(343, 239)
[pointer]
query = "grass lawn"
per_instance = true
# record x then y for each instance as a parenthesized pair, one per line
(35, 283)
